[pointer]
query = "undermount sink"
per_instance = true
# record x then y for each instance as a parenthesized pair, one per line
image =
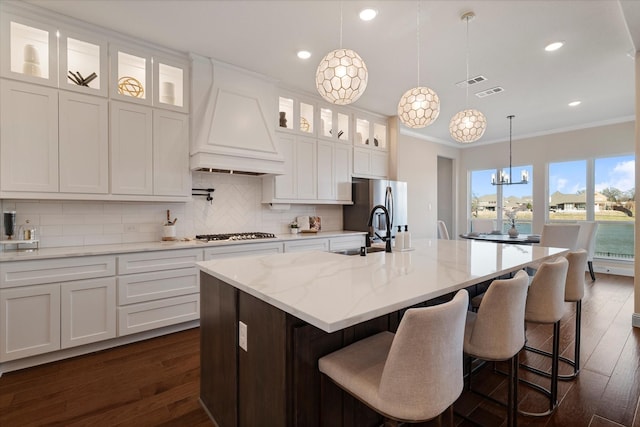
(356, 251)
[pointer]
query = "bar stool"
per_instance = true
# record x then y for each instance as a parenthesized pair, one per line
(574, 291)
(496, 332)
(413, 375)
(545, 305)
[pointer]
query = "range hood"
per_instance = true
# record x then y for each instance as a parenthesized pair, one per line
(233, 114)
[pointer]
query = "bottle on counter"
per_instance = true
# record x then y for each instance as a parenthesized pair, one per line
(406, 238)
(399, 239)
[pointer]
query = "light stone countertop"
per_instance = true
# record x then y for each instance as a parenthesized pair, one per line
(333, 291)
(75, 251)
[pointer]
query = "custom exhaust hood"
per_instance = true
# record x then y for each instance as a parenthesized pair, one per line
(232, 120)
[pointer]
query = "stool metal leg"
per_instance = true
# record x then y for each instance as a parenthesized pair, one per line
(575, 363)
(552, 392)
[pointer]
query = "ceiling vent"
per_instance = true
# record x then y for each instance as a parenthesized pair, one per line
(471, 81)
(491, 91)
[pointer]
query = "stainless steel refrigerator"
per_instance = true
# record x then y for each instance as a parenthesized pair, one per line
(366, 194)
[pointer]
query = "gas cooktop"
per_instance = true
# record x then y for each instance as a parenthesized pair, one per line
(235, 236)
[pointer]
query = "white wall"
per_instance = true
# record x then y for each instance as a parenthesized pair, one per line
(236, 207)
(417, 164)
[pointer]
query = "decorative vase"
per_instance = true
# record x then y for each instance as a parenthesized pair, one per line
(283, 119)
(294, 230)
(513, 231)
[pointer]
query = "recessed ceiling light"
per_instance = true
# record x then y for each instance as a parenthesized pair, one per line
(304, 54)
(368, 14)
(575, 103)
(553, 46)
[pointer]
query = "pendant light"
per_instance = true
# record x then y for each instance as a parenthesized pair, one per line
(342, 75)
(420, 106)
(505, 179)
(468, 125)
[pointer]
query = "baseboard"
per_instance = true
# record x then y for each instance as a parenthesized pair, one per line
(41, 359)
(618, 270)
(635, 320)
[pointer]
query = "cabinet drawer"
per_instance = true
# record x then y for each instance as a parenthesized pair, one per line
(22, 273)
(307, 245)
(145, 287)
(242, 250)
(156, 261)
(156, 314)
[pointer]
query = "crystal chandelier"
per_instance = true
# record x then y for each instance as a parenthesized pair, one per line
(341, 76)
(468, 125)
(420, 106)
(505, 179)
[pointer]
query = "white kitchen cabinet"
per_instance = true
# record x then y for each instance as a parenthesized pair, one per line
(334, 171)
(299, 182)
(47, 305)
(157, 289)
(306, 172)
(171, 88)
(28, 137)
(30, 321)
(248, 249)
(83, 144)
(368, 163)
(81, 55)
(307, 245)
(28, 48)
(131, 135)
(171, 174)
(346, 242)
(130, 74)
(88, 311)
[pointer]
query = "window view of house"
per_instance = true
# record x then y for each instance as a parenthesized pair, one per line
(499, 202)
(612, 204)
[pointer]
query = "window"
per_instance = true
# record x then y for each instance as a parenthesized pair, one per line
(490, 201)
(614, 206)
(568, 191)
(603, 190)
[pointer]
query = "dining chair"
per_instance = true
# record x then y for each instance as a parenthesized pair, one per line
(413, 375)
(482, 225)
(496, 332)
(560, 235)
(443, 233)
(545, 305)
(587, 241)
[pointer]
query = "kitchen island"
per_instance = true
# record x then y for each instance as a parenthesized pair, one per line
(298, 307)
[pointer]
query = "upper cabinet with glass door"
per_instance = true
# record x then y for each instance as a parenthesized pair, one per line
(83, 63)
(370, 133)
(30, 48)
(334, 124)
(171, 88)
(296, 115)
(130, 75)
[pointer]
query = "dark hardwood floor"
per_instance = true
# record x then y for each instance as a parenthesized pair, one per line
(156, 382)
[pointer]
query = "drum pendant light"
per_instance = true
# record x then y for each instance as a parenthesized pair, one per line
(468, 125)
(420, 106)
(342, 75)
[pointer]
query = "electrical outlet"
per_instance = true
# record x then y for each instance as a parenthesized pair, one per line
(242, 335)
(130, 228)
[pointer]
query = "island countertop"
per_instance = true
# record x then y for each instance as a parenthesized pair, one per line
(334, 291)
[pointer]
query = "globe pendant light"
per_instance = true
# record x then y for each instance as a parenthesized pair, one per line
(342, 75)
(468, 125)
(420, 106)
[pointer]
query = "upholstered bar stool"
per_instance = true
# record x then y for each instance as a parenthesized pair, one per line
(413, 375)
(573, 292)
(545, 305)
(496, 332)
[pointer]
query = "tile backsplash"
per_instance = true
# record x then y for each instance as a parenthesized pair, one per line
(236, 207)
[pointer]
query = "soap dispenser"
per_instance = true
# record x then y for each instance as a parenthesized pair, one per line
(399, 239)
(406, 238)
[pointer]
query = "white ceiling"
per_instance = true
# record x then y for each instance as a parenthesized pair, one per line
(506, 46)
